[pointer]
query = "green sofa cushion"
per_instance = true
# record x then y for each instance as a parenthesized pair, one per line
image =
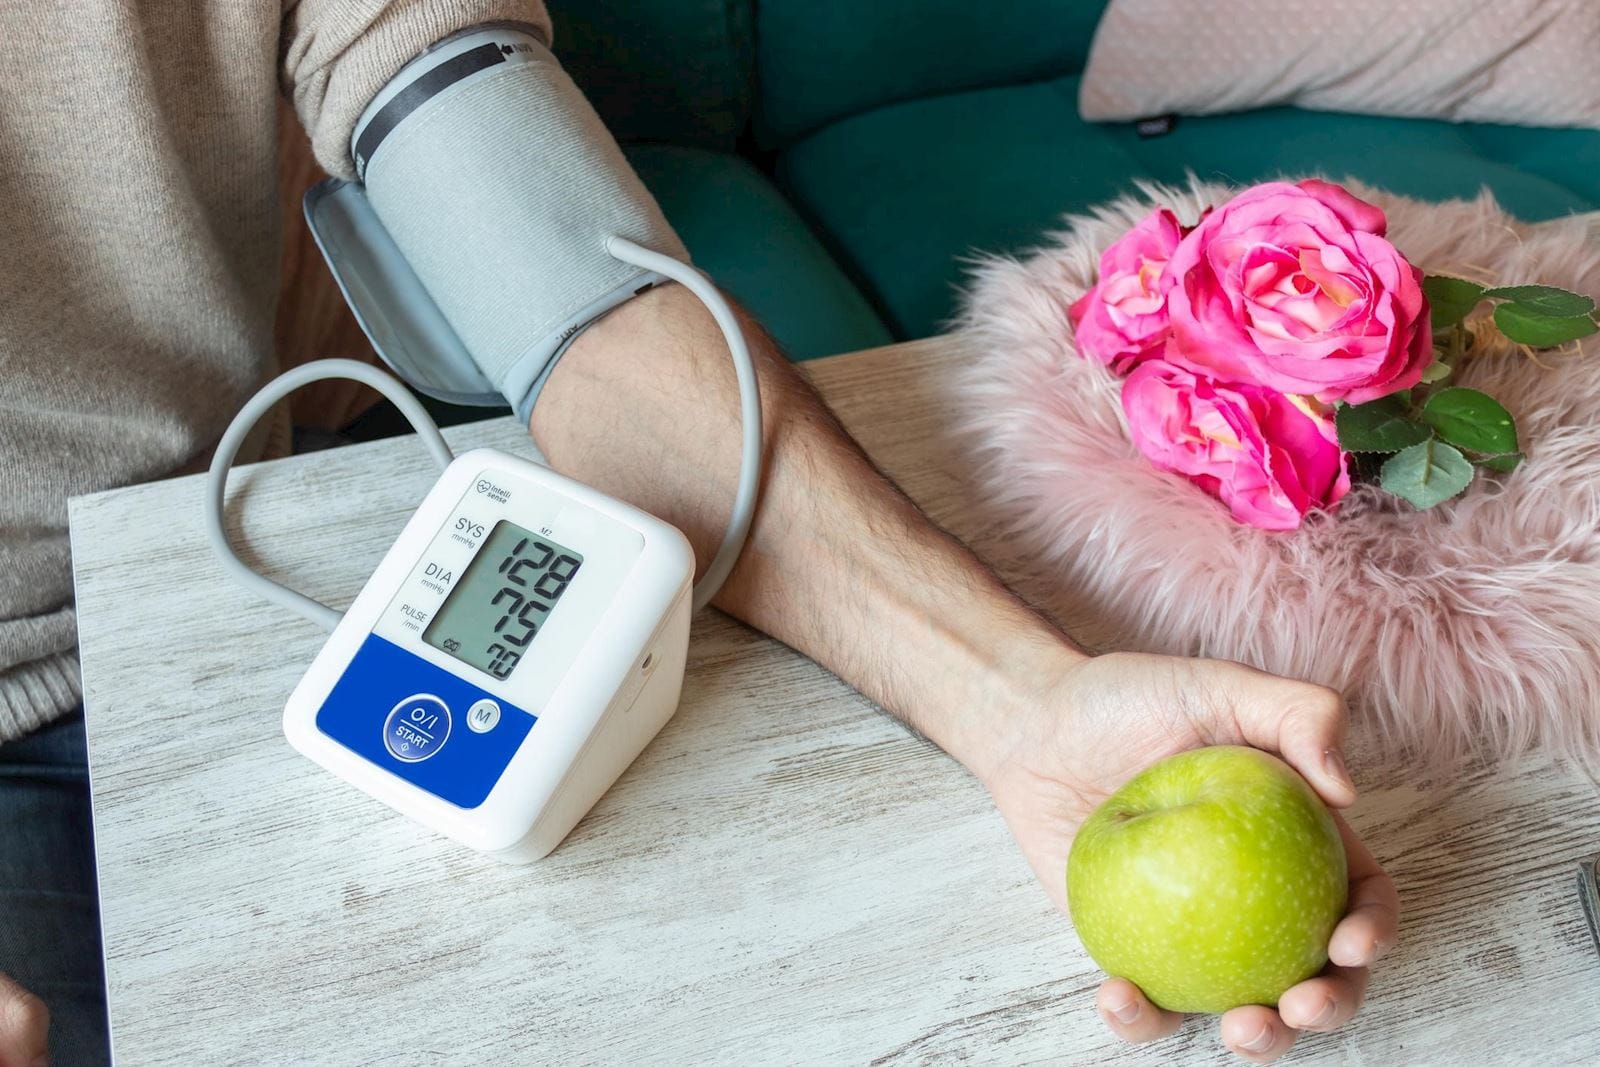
(903, 193)
(679, 72)
(742, 232)
(819, 62)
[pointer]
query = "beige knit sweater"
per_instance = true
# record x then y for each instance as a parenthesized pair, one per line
(139, 238)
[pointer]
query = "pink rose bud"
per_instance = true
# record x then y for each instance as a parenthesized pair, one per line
(1123, 319)
(1272, 458)
(1294, 287)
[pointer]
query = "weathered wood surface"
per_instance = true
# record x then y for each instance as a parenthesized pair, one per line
(785, 875)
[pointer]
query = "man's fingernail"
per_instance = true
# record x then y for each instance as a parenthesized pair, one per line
(1260, 1043)
(1127, 1013)
(1323, 1017)
(1333, 763)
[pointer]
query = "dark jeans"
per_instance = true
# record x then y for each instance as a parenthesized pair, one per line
(49, 910)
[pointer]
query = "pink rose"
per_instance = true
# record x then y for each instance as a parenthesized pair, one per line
(1294, 287)
(1123, 318)
(1270, 457)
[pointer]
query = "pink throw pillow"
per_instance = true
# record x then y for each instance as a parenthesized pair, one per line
(1526, 62)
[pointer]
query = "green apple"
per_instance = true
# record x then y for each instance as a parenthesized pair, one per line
(1212, 879)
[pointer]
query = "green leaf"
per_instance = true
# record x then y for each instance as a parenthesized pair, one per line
(1450, 298)
(1426, 474)
(1382, 425)
(1538, 330)
(1508, 462)
(1472, 420)
(1545, 299)
(1437, 371)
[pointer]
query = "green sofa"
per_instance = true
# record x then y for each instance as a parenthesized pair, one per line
(831, 163)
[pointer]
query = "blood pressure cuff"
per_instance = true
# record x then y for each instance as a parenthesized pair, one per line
(472, 249)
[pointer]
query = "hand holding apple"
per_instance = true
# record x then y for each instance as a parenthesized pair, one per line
(1211, 880)
(1090, 725)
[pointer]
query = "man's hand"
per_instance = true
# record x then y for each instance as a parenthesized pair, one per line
(1103, 720)
(843, 567)
(24, 1027)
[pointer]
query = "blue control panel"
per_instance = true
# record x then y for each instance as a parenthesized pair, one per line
(425, 724)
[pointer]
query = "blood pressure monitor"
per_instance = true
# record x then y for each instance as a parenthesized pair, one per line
(521, 641)
(518, 646)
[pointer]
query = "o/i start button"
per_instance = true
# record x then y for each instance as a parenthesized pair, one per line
(416, 728)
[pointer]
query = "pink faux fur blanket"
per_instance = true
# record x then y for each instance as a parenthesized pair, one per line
(1473, 628)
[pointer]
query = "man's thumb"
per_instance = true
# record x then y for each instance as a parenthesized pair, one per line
(1303, 723)
(1310, 731)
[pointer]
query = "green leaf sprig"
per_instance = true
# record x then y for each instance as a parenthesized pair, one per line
(1429, 443)
(1539, 316)
(1434, 439)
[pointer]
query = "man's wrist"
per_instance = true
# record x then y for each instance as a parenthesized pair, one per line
(988, 683)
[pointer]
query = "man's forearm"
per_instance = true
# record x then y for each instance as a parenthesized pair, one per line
(840, 565)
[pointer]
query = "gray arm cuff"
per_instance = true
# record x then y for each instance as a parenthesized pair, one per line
(476, 250)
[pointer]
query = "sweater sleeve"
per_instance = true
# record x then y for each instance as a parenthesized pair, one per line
(336, 54)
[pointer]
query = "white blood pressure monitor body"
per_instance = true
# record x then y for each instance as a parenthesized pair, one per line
(517, 648)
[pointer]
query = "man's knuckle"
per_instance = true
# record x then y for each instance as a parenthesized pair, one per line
(1323, 702)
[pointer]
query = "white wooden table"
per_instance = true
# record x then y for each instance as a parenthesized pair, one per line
(785, 875)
